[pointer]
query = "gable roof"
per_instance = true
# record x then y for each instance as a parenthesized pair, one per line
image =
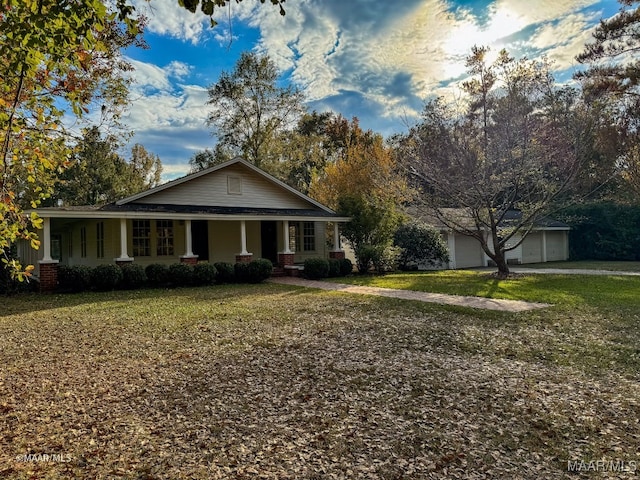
(144, 197)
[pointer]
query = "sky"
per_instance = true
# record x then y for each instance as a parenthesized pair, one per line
(378, 60)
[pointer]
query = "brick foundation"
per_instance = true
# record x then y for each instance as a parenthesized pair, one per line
(189, 260)
(48, 276)
(337, 254)
(285, 259)
(244, 258)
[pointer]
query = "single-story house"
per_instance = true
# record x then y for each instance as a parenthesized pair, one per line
(548, 241)
(232, 212)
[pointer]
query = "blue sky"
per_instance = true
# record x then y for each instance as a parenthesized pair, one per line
(377, 60)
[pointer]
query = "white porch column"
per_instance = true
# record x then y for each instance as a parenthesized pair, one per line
(124, 255)
(188, 241)
(451, 244)
(188, 256)
(46, 240)
(336, 237)
(285, 236)
(544, 246)
(243, 238)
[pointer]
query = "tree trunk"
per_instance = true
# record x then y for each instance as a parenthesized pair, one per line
(501, 262)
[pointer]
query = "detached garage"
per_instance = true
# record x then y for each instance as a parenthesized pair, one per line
(548, 242)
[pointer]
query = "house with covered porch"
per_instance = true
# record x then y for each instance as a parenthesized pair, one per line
(232, 212)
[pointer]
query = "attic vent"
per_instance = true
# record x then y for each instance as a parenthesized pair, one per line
(234, 185)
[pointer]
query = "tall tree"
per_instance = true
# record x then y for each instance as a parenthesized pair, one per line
(99, 175)
(304, 151)
(55, 54)
(250, 110)
(209, 157)
(505, 153)
(145, 170)
(364, 183)
(613, 79)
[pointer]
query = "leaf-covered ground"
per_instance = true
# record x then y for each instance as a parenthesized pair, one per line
(276, 382)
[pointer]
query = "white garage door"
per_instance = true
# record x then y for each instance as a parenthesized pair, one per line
(555, 246)
(468, 252)
(532, 248)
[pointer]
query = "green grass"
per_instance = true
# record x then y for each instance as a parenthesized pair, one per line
(589, 265)
(285, 382)
(619, 293)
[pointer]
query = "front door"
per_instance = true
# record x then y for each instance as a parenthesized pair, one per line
(269, 235)
(200, 238)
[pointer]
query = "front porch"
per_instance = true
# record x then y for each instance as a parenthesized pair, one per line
(94, 241)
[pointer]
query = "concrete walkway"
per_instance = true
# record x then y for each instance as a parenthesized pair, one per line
(458, 300)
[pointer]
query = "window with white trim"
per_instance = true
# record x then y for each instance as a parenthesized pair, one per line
(164, 238)
(141, 238)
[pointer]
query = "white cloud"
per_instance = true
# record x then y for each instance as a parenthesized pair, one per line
(380, 58)
(164, 17)
(543, 10)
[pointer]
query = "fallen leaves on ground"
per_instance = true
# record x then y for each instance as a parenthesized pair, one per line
(277, 384)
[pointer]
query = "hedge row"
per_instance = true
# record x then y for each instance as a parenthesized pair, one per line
(317, 268)
(79, 278)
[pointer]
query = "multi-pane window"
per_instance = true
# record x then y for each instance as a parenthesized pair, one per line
(100, 239)
(309, 236)
(164, 237)
(141, 238)
(302, 236)
(83, 242)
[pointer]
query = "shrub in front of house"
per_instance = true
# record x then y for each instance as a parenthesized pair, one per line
(420, 244)
(181, 274)
(76, 278)
(157, 274)
(241, 272)
(226, 272)
(316, 268)
(255, 271)
(106, 277)
(346, 267)
(383, 258)
(334, 268)
(259, 270)
(204, 274)
(133, 276)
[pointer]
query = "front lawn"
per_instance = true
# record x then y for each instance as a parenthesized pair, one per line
(268, 381)
(621, 266)
(617, 292)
